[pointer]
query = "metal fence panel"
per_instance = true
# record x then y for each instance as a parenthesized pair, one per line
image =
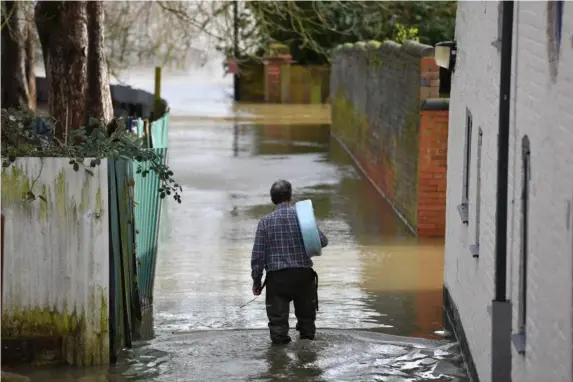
(148, 212)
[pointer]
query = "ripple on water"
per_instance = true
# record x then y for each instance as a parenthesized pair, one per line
(335, 356)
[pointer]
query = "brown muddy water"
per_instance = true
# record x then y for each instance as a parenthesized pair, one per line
(380, 292)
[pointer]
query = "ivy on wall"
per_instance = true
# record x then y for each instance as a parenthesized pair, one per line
(24, 134)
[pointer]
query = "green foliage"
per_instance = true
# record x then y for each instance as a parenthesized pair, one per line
(26, 135)
(404, 34)
(277, 49)
(311, 29)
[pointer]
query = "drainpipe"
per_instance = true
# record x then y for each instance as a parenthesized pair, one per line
(236, 79)
(501, 307)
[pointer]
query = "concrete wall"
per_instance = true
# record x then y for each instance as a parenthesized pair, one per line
(542, 109)
(127, 101)
(376, 92)
(55, 263)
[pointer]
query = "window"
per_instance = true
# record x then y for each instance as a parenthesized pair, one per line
(463, 207)
(474, 248)
(519, 337)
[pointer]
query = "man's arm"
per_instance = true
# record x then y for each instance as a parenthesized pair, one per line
(323, 239)
(258, 255)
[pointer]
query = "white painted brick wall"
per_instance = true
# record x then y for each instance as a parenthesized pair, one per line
(544, 111)
(475, 86)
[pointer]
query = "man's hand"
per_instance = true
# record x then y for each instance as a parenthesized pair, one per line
(257, 289)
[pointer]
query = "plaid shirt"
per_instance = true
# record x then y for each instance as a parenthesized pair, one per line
(278, 243)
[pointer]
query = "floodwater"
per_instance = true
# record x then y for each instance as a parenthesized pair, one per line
(380, 292)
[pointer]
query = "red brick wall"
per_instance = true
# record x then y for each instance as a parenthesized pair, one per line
(398, 136)
(273, 77)
(432, 168)
(430, 78)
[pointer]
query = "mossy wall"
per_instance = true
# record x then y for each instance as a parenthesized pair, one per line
(56, 258)
(375, 90)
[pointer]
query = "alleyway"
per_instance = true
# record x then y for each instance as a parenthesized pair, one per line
(373, 275)
(380, 289)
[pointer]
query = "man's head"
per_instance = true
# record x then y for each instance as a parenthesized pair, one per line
(281, 191)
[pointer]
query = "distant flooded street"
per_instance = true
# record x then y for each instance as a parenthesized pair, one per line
(373, 275)
(377, 281)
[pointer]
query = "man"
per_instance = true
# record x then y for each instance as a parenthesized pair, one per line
(279, 250)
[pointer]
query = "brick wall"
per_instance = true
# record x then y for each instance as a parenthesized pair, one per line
(476, 87)
(432, 167)
(376, 93)
(542, 109)
(294, 84)
(429, 78)
(273, 67)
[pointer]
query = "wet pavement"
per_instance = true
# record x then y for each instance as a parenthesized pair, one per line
(380, 288)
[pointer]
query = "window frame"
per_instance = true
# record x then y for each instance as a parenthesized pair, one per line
(519, 338)
(474, 248)
(463, 207)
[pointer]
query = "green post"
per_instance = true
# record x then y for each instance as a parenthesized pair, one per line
(157, 103)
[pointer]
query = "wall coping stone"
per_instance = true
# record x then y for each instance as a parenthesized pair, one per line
(417, 49)
(411, 47)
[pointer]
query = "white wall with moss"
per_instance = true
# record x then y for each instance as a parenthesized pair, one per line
(56, 256)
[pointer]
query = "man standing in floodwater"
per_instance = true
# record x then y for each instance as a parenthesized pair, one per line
(279, 250)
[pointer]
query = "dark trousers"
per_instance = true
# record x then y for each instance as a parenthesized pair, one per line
(286, 285)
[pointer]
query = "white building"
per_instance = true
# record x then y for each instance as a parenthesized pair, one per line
(514, 325)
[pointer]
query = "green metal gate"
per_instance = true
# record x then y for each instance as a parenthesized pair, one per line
(148, 209)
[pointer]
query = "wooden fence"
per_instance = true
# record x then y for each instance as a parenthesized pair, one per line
(284, 83)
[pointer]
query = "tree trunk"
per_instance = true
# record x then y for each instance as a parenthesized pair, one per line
(14, 84)
(63, 32)
(98, 98)
(31, 63)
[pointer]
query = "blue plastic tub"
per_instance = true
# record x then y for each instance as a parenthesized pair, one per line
(308, 227)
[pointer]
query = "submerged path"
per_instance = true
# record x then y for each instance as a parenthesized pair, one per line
(380, 288)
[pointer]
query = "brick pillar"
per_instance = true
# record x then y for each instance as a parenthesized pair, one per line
(432, 167)
(430, 79)
(273, 67)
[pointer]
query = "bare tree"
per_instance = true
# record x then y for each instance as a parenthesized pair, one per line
(155, 33)
(98, 97)
(63, 32)
(30, 65)
(14, 83)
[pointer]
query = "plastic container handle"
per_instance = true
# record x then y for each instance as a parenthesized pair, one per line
(308, 228)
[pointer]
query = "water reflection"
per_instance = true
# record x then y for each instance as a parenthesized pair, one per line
(374, 274)
(291, 139)
(403, 278)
